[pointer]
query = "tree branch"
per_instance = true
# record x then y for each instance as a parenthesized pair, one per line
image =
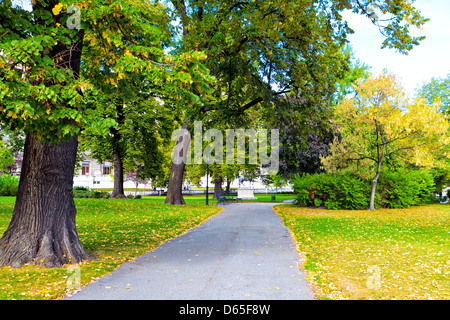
(250, 104)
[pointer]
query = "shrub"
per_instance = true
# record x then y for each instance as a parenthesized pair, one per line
(8, 185)
(400, 189)
(85, 192)
(332, 190)
(80, 188)
(404, 188)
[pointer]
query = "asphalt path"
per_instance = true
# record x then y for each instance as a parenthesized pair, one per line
(242, 253)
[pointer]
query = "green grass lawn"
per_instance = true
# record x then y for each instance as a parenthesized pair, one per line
(262, 197)
(385, 254)
(113, 231)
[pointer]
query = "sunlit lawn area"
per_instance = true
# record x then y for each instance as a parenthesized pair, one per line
(113, 231)
(386, 254)
(268, 197)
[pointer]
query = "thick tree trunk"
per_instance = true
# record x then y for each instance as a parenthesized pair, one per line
(42, 229)
(118, 174)
(175, 189)
(218, 188)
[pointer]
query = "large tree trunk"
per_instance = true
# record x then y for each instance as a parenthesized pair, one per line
(218, 188)
(175, 190)
(179, 159)
(42, 229)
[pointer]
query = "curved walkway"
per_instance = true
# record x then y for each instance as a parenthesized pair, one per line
(244, 252)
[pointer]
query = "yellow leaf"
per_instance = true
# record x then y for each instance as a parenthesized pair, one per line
(128, 53)
(57, 9)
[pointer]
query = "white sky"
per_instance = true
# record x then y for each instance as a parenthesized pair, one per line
(430, 59)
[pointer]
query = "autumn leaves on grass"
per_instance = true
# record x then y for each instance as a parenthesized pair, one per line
(385, 254)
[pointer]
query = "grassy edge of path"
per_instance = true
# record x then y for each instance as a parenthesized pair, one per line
(387, 254)
(114, 231)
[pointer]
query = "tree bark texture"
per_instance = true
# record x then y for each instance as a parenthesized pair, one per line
(218, 188)
(118, 174)
(42, 229)
(175, 189)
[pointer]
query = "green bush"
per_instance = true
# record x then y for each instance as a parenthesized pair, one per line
(404, 188)
(332, 190)
(400, 189)
(85, 192)
(8, 185)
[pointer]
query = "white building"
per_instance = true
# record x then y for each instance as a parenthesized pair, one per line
(95, 175)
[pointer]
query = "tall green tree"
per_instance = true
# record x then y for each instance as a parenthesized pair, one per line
(122, 55)
(437, 91)
(379, 123)
(258, 50)
(42, 93)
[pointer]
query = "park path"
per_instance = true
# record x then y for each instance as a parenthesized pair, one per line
(244, 252)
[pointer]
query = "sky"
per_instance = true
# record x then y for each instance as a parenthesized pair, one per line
(430, 59)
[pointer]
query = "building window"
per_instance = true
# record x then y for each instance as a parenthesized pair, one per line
(85, 168)
(106, 167)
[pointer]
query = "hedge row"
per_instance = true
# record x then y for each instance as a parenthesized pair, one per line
(8, 185)
(86, 192)
(399, 189)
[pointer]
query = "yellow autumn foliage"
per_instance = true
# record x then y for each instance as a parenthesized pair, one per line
(382, 120)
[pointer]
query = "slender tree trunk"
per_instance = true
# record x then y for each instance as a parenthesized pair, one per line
(118, 174)
(374, 188)
(380, 158)
(217, 188)
(227, 188)
(42, 229)
(118, 152)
